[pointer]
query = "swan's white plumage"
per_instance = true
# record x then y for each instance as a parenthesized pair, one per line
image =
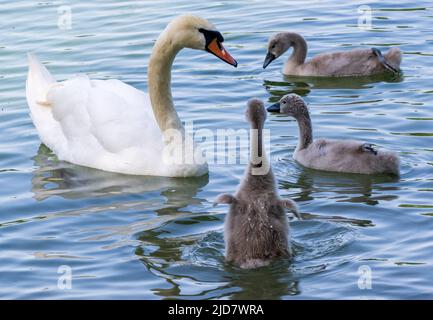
(103, 124)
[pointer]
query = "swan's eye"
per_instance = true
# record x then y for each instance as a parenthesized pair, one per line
(273, 46)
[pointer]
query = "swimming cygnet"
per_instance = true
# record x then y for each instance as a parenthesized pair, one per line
(333, 155)
(357, 62)
(256, 227)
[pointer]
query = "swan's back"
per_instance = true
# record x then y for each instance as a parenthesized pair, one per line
(347, 156)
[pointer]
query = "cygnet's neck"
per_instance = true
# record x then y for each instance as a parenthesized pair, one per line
(299, 45)
(159, 81)
(259, 163)
(305, 130)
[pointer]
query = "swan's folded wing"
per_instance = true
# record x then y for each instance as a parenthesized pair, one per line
(103, 115)
(121, 117)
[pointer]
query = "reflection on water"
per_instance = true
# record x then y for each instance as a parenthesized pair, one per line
(132, 237)
(273, 282)
(58, 178)
(344, 185)
(192, 261)
(303, 85)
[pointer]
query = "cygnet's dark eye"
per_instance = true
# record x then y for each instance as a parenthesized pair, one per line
(273, 46)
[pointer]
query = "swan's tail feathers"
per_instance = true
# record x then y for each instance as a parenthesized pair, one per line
(39, 81)
(388, 61)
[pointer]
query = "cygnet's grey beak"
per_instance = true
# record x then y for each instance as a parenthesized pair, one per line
(274, 108)
(269, 58)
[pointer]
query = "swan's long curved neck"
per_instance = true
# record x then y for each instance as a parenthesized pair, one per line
(159, 82)
(300, 48)
(305, 131)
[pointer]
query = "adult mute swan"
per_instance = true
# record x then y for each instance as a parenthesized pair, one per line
(357, 62)
(256, 228)
(333, 155)
(110, 125)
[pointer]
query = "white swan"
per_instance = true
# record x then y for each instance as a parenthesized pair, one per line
(109, 125)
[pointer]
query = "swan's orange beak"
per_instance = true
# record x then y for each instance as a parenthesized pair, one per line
(216, 48)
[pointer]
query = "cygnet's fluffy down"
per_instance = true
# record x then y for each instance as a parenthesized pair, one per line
(256, 227)
(333, 155)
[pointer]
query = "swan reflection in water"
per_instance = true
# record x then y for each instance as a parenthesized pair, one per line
(52, 177)
(303, 85)
(355, 188)
(183, 243)
(274, 282)
(193, 266)
(346, 187)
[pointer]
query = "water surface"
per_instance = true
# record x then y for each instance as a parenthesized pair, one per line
(157, 238)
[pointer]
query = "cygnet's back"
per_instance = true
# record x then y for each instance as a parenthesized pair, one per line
(256, 227)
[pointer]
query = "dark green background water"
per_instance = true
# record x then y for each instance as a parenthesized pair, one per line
(156, 238)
